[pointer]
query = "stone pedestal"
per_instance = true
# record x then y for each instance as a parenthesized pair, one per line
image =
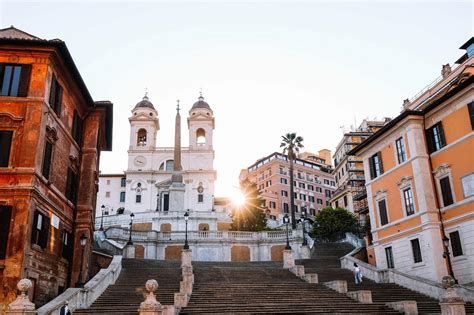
(452, 304)
(180, 300)
(150, 306)
(337, 285)
(176, 201)
(362, 296)
(288, 259)
(129, 251)
(186, 258)
(22, 305)
(406, 307)
(305, 252)
(186, 286)
(298, 270)
(311, 278)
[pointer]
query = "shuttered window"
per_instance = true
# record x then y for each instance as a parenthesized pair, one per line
(435, 138)
(56, 96)
(77, 128)
(375, 165)
(415, 247)
(14, 79)
(5, 147)
(470, 108)
(66, 251)
(5, 217)
(446, 191)
(383, 212)
(408, 199)
(47, 157)
(389, 257)
(72, 185)
(40, 230)
(122, 196)
(401, 155)
(456, 243)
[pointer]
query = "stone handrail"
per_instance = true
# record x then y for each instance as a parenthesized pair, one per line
(425, 286)
(78, 298)
(123, 233)
(352, 239)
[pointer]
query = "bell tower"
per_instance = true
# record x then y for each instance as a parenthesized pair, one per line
(200, 125)
(144, 125)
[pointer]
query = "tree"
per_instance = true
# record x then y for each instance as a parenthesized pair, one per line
(249, 216)
(331, 223)
(291, 144)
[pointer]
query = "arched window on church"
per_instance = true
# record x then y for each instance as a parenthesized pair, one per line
(167, 166)
(141, 137)
(200, 137)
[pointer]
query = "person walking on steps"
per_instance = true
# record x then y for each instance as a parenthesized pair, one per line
(357, 274)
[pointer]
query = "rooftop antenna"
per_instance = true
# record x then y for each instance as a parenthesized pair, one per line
(146, 93)
(177, 106)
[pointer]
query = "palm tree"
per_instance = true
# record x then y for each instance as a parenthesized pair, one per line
(291, 145)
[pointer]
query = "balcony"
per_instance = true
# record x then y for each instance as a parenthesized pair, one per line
(360, 195)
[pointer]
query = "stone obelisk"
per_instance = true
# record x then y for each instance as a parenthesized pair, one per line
(177, 187)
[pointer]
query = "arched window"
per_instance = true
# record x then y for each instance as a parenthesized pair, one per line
(200, 136)
(141, 137)
(167, 166)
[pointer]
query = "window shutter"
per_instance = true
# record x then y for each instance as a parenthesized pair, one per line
(371, 167)
(429, 140)
(24, 80)
(446, 191)
(5, 147)
(57, 105)
(379, 154)
(52, 92)
(34, 229)
(470, 108)
(44, 234)
(441, 134)
(5, 217)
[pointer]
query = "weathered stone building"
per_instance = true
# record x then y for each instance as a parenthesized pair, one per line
(51, 136)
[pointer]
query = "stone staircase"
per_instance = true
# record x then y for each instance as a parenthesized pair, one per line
(326, 264)
(125, 296)
(265, 287)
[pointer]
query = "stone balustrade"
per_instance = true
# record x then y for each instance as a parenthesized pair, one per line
(84, 297)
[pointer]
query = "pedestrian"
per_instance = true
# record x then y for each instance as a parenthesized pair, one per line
(64, 310)
(357, 274)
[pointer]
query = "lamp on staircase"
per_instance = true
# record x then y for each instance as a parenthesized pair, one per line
(303, 223)
(82, 241)
(286, 220)
(186, 218)
(131, 225)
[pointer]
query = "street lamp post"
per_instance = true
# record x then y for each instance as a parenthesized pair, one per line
(83, 241)
(131, 225)
(303, 222)
(102, 218)
(446, 255)
(186, 218)
(286, 220)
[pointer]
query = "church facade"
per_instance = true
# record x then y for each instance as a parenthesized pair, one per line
(162, 183)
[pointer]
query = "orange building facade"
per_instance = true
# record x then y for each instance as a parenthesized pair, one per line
(51, 135)
(313, 183)
(419, 171)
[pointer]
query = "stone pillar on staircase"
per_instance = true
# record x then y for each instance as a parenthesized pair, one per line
(186, 258)
(288, 259)
(452, 304)
(22, 304)
(305, 252)
(129, 251)
(151, 306)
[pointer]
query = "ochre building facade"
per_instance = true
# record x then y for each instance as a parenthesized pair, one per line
(51, 135)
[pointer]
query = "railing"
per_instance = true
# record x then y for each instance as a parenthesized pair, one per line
(122, 233)
(360, 195)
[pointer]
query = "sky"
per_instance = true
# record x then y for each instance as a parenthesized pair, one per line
(266, 68)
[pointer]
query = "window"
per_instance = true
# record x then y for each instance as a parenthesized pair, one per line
(383, 212)
(107, 194)
(408, 198)
(5, 217)
(345, 200)
(303, 197)
(301, 185)
(108, 181)
(311, 198)
(435, 138)
(122, 196)
(311, 187)
(285, 207)
(284, 193)
(455, 244)
(56, 96)
(272, 204)
(77, 128)
(319, 201)
(400, 150)
(319, 190)
(467, 183)
(326, 181)
(294, 183)
(138, 198)
(167, 166)
(5, 147)
(200, 198)
(415, 246)
(40, 233)
(123, 182)
(283, 181)
(375, 165)
(327, 193)
(72, 185)
(337, 203)
(389, 256)
(470, 108)
(14, 79)
(328, 204)
(295, 195)
(66, 251)
(47, 156)
(446, 191)
(141, 137)
(200, 137)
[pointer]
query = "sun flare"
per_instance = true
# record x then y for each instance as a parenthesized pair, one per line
(238, 198)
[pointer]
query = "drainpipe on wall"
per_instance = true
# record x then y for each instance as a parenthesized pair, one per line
(440, 216)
